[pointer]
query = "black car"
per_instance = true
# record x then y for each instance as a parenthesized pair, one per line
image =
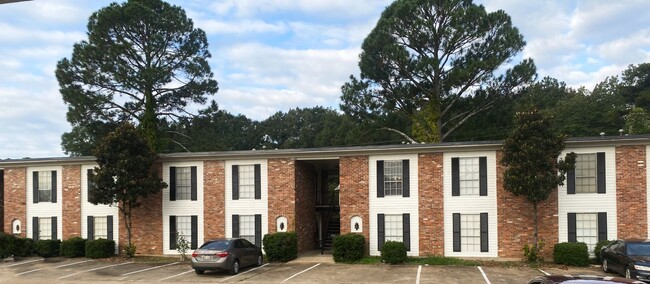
(226, 254)
(628, 257)
(579, 279)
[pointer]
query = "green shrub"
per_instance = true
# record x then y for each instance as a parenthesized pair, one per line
(48, 248)
(575, 254)
(23, 247)
(533, 253)
(349, 247)
(600, 245)
(100, 248)
(393, 252)
(6, 245)
(73, 247)
(130, 250)
(281, 246)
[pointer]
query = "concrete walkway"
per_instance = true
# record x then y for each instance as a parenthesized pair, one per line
(314, 256)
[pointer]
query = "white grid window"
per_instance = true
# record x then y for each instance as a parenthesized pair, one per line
(470, 232)
(184, 227)
(468, 169)
(101, 227)
(44, 186)
(183, 183)
(393, 228)
(246, 182)
(393, 177)
(247, 227)
(585, 173)
(45, 228)
(587, 229)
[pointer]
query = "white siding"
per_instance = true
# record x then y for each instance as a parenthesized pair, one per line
(247, 206)
(590, 202)
(394, 204)
(471, 204)
(88, 209)
(44, 209)
(182, 207)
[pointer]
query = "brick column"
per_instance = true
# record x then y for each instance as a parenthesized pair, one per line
(214, 199)
(15, 198)
(282, 192)
(431, 204)
(305, 206)
(353, 193)
(71, 201)
(146, 231)
(631, 207)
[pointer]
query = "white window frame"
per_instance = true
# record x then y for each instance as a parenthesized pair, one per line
(247, 227)
(100, 227)
(470, 232)
(393, 177)
(183, 183)
(393, 227)
(586, 173)
(246, 176)
(184, 227)
(587, 229)
(469, 176)
(45, 228)
(44, 186)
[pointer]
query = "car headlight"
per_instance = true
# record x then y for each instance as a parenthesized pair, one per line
(641, 267)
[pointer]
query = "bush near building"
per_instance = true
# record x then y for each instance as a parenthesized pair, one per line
(281, 246)
(48, 248)
(100, 248)
(575, 254)
(393, 252)
(73, 247)
(349, 247)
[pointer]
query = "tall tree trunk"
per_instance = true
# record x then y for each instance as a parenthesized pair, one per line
(535, 232)
(150, 121)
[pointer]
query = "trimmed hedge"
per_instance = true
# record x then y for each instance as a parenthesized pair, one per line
(73, 247)
(100, 248)
(575, 254)
(23, 247)
(6, 245)
(349, 247)
(393, 252)
(48, 248)
(600, 245)
(281, 246)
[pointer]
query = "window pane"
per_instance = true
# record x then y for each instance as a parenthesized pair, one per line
(585, 173)
(184, 227)
(183, 183)
(246, 182)
(468, 169)
(470, 232)
(44, 186)
(44, 228)
(393, 177)
(393, 228)
(587, 229)
(101, 228)
(247, 227)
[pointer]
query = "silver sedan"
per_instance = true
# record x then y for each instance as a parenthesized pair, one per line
(228, 254)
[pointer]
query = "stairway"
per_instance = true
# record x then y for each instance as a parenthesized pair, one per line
(333, 229)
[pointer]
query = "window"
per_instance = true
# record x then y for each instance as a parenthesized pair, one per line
(100, 225)
(246, 181)
(470, 232)
(183, 183)
(469, 176)
(247, 227)
(45, 228)
(587, 229)
(393, 227)
(393, 177)
(44, 186)
(585, 171)
(184, 227)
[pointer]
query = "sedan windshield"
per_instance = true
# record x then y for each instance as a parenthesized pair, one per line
(638, 249)
(216, 245)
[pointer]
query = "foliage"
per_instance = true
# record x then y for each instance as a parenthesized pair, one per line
(100, 248)
(143, 61)
(23, 247)
(73, 247)
(575, 254)
(349, 247)
(182, 245)
(393, 252)
(441, 260)
(281, 246)
(598, 247)
(48, 248)
(6, 245)
(127, 173)
(533, 252)
(130, 250)
(637, 121)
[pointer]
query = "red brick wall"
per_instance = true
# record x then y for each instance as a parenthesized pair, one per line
(282, 193)
(306, 225)
(146, 231)
(71, 198)
(431, 204)
(515, 220)
(214, 197)
(631, 189)
(15, 197)
(353, 193)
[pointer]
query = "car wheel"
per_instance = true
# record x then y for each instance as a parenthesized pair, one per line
(605, 268)
(234, 268)
(260, 260)
(199, 271)
(627, 273)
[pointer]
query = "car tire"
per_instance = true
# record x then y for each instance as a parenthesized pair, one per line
(234, 267)
(605, 267)
(260, 260)
(199, 271)
(628, 275)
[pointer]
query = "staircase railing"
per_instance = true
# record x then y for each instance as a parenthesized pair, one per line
(324, 236)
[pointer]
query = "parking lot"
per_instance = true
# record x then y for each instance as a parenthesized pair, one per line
(79, 270)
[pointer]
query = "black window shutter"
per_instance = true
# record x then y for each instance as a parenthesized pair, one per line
(456, 231)
(35, 187)
(235, 182)
(602, 226)
(482, 170)
(91, 227)
(484, 233)
(193, 174)
(258, 181)
(600, 172)
(380, 178)
(35, 228)
(172, 232)
(91, 185)
(235, 226)
(381, 233)
(405, 179)
(571, 181)
(53, 186)
(455, 177)
(572, 227)
(258, 230)
(55, 234)
(172, 183)
(195, 234)
(406, 230)
(109, 227)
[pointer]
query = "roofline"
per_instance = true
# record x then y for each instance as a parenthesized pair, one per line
(336, 152)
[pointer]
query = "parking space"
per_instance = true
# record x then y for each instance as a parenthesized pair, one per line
(86, 270)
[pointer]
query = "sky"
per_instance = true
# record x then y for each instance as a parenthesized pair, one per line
(275, 55)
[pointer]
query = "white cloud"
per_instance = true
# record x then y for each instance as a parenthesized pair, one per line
(240, 27)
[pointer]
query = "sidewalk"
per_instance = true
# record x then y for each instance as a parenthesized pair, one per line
(314, 256)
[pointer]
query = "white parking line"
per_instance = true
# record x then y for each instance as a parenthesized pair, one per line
(301, 272)
(21, 263)
(89, 270)
(69, 264)
(179, 274)
(417, 278)
(147, 269)
(545, 273)
(231, 277)
(487, 281)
